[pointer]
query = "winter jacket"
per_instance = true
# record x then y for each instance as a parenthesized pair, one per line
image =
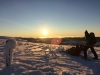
(88, 39)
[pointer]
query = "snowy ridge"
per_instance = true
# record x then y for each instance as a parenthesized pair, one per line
(45, 59)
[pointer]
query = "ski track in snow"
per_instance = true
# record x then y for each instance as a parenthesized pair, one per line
(45, 59)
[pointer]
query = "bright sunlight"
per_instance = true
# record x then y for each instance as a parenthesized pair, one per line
(44, 32)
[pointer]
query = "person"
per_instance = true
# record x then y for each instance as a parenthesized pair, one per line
(88, 45)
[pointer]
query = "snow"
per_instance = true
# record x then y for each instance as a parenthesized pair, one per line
(46, 59)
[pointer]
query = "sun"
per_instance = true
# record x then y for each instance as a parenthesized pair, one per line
(44, 32)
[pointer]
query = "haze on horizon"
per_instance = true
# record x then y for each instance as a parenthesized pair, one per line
(58, 18)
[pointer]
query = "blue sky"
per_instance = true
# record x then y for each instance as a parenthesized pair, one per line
(28, 18)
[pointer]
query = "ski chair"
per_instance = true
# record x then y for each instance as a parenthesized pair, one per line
(75, 51)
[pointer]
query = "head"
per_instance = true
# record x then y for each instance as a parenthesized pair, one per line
(86, 32)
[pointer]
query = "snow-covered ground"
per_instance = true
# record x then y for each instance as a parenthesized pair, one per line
(45, 59)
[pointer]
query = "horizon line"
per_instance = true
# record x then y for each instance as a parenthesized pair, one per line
(48, 37)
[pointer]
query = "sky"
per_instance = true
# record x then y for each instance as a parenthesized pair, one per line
(60, 18)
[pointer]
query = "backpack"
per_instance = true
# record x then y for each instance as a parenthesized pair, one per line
(93, 38)
(74, 51)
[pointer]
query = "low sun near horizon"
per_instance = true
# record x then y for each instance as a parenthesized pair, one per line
(44, 32)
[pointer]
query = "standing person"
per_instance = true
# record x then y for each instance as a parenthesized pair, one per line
(89, 44)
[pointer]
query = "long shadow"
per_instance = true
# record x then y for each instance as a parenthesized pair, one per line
(90, 64)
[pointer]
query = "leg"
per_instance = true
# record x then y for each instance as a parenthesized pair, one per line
(85, 51)
(94, 52)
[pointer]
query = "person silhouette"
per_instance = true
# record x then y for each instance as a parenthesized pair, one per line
(88, 45)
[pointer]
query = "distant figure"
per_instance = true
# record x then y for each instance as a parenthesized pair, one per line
(8, 51)
(89, 44)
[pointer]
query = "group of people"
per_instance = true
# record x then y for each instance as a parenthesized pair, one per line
(90, 41)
